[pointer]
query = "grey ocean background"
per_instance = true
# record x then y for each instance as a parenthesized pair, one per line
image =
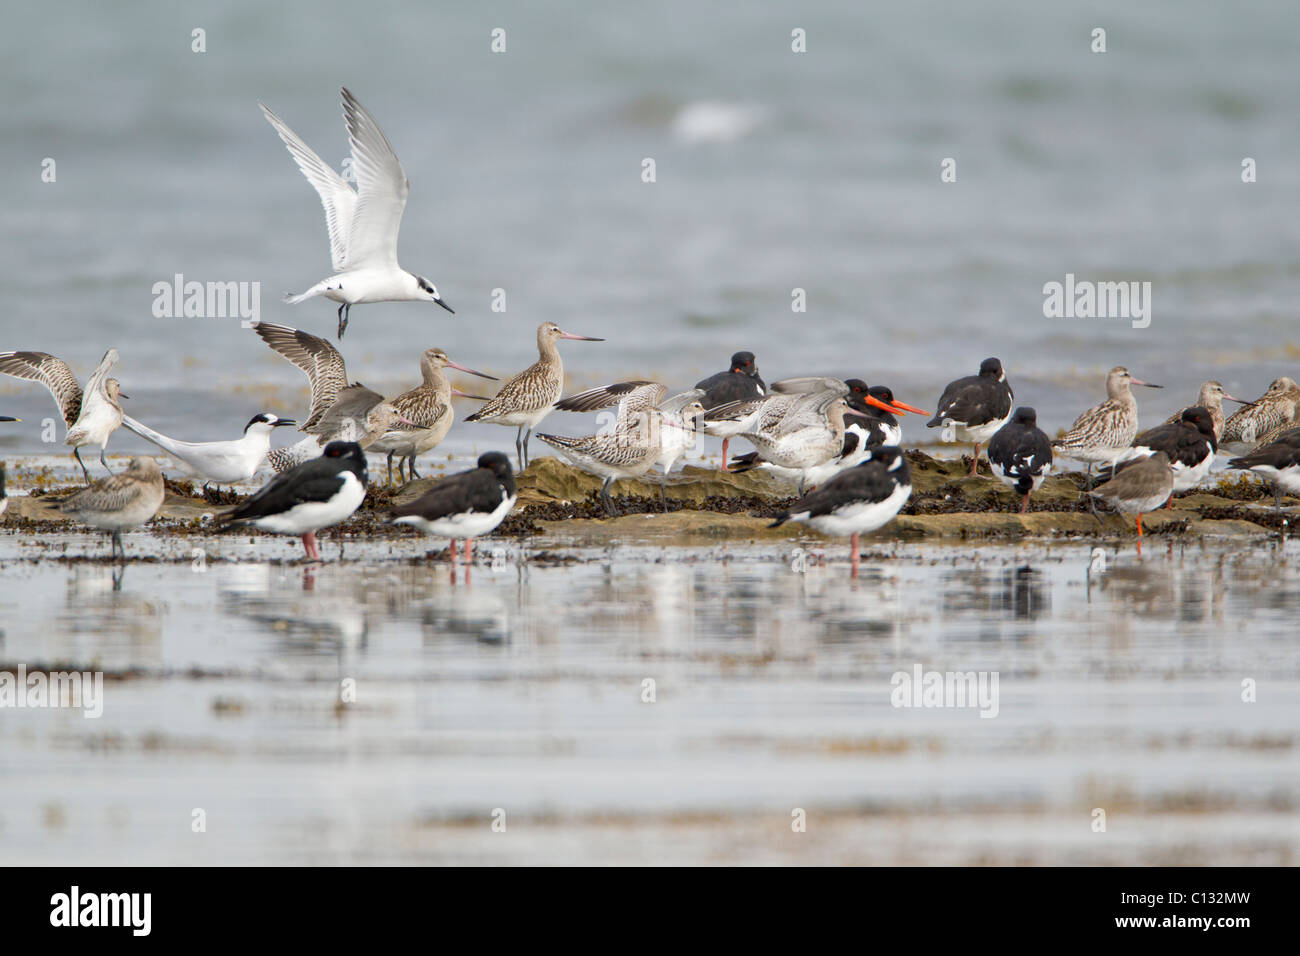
(775, 170)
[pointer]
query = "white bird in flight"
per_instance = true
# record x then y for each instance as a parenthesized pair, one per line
(363, 222)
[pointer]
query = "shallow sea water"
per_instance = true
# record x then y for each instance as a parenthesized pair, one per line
(521, 690)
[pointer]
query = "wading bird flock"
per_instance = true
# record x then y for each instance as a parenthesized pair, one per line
(836, 440)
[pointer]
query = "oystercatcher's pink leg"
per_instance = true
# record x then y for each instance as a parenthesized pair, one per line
(975, 462)
(452, 546)
(725, 442)
(309, 546)
(469, 551)
(1024, 507)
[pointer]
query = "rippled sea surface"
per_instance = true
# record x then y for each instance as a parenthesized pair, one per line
(775, 171)
(520, 695)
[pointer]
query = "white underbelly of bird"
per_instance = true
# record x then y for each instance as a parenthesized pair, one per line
(860, 517)
(308, 516)
(464, 525)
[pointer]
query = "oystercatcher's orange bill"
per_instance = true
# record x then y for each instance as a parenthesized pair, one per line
(901, 407)
(872, 400)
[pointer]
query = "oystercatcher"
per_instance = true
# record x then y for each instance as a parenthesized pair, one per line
(1279, 462)
(739, 383)
(1021, 454)
(310, 496)
(857, 501)
(466, 505)
(975, 407)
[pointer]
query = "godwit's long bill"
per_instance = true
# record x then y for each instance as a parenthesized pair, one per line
(312, 495)
(739, 383)
(1211, 397)
(1274, 412)
(527, 398)
(428, 407)
(974, 408)
(218, 462)
(362, 222)
(1020, 454)
(857, 501)
(118, 502)
(1105, 432)
(1278, 461)
(92, 415)
(467, 505)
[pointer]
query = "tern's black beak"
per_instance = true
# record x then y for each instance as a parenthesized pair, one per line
(443, 303)
(122, 395)
(283, 421)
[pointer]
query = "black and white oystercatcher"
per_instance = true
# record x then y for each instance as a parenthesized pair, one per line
(975, 407)
(310, 496)
(466, 505)
(1278, 461)
(1189, 443)
(739, 383)
(857, 501)
(1021, 454)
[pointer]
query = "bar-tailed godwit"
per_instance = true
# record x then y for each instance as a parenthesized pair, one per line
(1211, 398)
(525, 399)
(1105, 432)
(119, 501)
(1272, 411)
(428, 406)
